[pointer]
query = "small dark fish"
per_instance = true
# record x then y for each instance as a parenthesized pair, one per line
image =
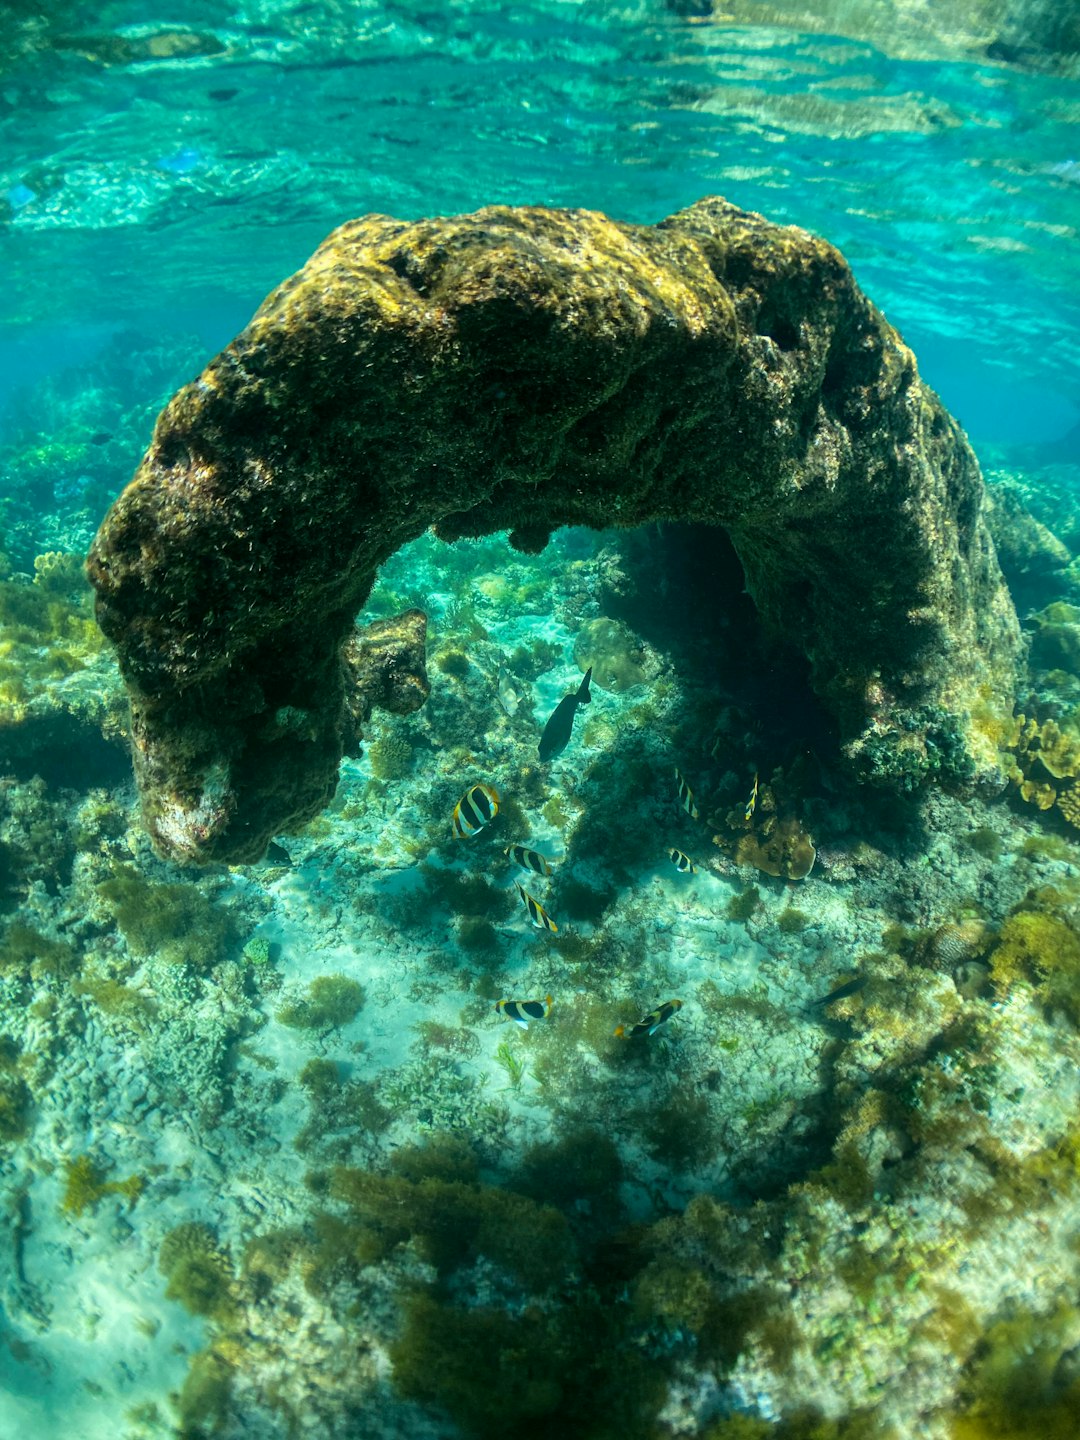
(476, 808)
(226, 94)
(852, 987)
(522, 1011)
(560, 723)
(536, 912)
(686, 795)
(682, 862)
(529, 859)
(277, 854)
(101, 437)
(652, 1021)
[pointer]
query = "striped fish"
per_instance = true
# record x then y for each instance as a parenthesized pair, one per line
(522, 1011)
(536, 912)
(652, 1021)
(529, 859)
(682, 862)
(476, 808)
(686, 795)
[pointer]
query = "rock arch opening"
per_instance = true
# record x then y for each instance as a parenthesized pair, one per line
(526, 370)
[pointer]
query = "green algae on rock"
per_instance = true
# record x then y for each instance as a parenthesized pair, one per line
(59, 691)
(522, 370)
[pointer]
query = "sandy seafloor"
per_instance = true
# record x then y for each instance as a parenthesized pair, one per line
(183, 1074)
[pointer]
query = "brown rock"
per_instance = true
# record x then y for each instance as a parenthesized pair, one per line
(524, 370)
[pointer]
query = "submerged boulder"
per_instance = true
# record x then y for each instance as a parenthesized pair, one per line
(521, 370)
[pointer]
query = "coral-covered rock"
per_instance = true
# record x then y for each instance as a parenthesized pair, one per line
(386, 667)
(618, 659)
(59, 691)
(1032, 557)
(523, 370)
(778, 847)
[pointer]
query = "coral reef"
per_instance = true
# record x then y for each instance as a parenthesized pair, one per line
(229, 572)
(1046, 765)
(779, 847)
(59, 690)
(1032, 558)
(386, 667)
(618, 659)
(177, 922)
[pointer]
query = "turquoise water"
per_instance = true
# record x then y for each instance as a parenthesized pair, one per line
(272, 1162)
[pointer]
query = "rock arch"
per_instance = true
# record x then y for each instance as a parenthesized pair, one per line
(524, 369)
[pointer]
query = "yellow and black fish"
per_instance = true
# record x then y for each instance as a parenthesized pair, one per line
(522, 1011)
(476, 808)
(682, 862)
(752, 802)
(529, 859)
(652, 1021)
(536, 912)
(686, 795)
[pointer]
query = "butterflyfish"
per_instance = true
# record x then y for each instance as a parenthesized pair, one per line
(536, 912)
(529, 859)
(652, 1022)
(522, 1011)
(686, 795)
(752, 802)
(682, 862)
(560, 723)
(476, 808)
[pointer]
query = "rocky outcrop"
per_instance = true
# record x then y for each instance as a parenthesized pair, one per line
(523, 370)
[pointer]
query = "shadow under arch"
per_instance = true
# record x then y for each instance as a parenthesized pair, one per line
(523, 370)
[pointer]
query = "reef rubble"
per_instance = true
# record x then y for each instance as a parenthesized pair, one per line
(523, 370)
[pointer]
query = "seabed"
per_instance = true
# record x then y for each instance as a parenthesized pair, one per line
(273, 1164)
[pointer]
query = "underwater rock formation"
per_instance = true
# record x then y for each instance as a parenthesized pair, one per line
(525, 369)
(386, 667)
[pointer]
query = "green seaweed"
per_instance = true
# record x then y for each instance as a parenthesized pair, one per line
(390, 756)
(259, 950)
(679, 1131)
(454, 663)
(529, 662)
(743, 905)
(791, 921)
(511, 1063)
(577, 901)
(86, 1185)
(538, 1372)
(580, 1173)
(453, 1221)
(331, 1002)
(341, 1110)
(466, 894)
(1048, 847)
(1016, 1385)
(16, 1106)
(204, 1397)
(476, 935)
(114, 998)
(22, 948)
(198, 1270)
(494, 1373)
(986, 842)
(176, 922)
(1042, 948)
